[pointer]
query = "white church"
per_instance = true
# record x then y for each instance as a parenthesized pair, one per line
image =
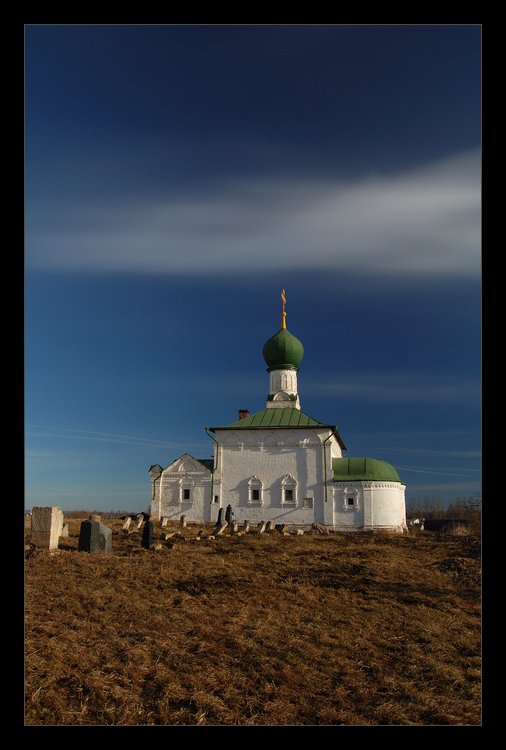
(281, 465)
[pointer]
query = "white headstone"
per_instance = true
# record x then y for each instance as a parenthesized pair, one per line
(65, 530)
(164, 520)
(182, 521)
(261, 527)
(47, 525)
(126, 524)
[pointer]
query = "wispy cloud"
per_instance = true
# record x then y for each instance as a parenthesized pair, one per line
(435, 472)
(397, 388)
(423, 221)
(65, 433)
(450, 488)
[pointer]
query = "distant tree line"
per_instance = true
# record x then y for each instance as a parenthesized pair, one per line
(461, 508)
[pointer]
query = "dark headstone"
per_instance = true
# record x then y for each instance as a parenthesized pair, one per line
(229, 514)
(94, 537)
(147, 535)
(220, 517)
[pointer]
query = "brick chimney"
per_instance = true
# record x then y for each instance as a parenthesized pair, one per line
(243, 413)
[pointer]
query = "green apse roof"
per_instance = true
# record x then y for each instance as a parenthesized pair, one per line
(279, 418)
(283, 351)
(357, 469)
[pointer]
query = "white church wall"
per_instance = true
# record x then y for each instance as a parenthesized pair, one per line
(184, 488)
(280, 460)
(376, 506)
(345, 515)
(388, 506)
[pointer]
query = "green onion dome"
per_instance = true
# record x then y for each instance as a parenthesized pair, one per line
(283, 351)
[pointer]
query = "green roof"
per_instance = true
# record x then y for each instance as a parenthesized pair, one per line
(283, 351)
(358, 469)
(290, 417)
(278, 419)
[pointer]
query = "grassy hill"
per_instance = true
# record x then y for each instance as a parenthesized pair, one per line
(255, 630)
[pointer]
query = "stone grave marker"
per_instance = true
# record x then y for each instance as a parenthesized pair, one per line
(94, 537)
(234, 527)
(269, 526)
(220, 529)
(65, 531)
(182, 522)
(126, 523)
(245, 526)
(139, 521)
(147, 535)
(164, 521)
(229, 514)
(47, 525)
(220, 517)
(261, 527)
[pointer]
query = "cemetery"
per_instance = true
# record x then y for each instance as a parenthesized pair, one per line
(136, 621)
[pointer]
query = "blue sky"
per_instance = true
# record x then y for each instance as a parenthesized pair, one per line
(178, 177)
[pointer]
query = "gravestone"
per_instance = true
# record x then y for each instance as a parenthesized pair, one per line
(139, 521)
(182, 522)
(126, 524)
(245, 526)
(164, 521)
(94, 537)
(261, 527)
(299, 532)
(282, 528)
(229, 514)
(319, 528)
(221, 528)
(147, 535)
(47, 525)
(269, 526)
(220, 517)
(65, 530)
(234, 527)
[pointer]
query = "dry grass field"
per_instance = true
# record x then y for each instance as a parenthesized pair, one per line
(350, 629)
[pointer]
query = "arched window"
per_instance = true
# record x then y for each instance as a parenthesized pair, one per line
(288, 490)
(255, 491)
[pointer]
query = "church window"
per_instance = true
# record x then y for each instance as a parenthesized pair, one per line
(255, 491)
(185, 490)
(288, 490)
(216, 498)
(350, 498)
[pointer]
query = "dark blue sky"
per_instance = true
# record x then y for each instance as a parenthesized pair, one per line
(177, 177)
